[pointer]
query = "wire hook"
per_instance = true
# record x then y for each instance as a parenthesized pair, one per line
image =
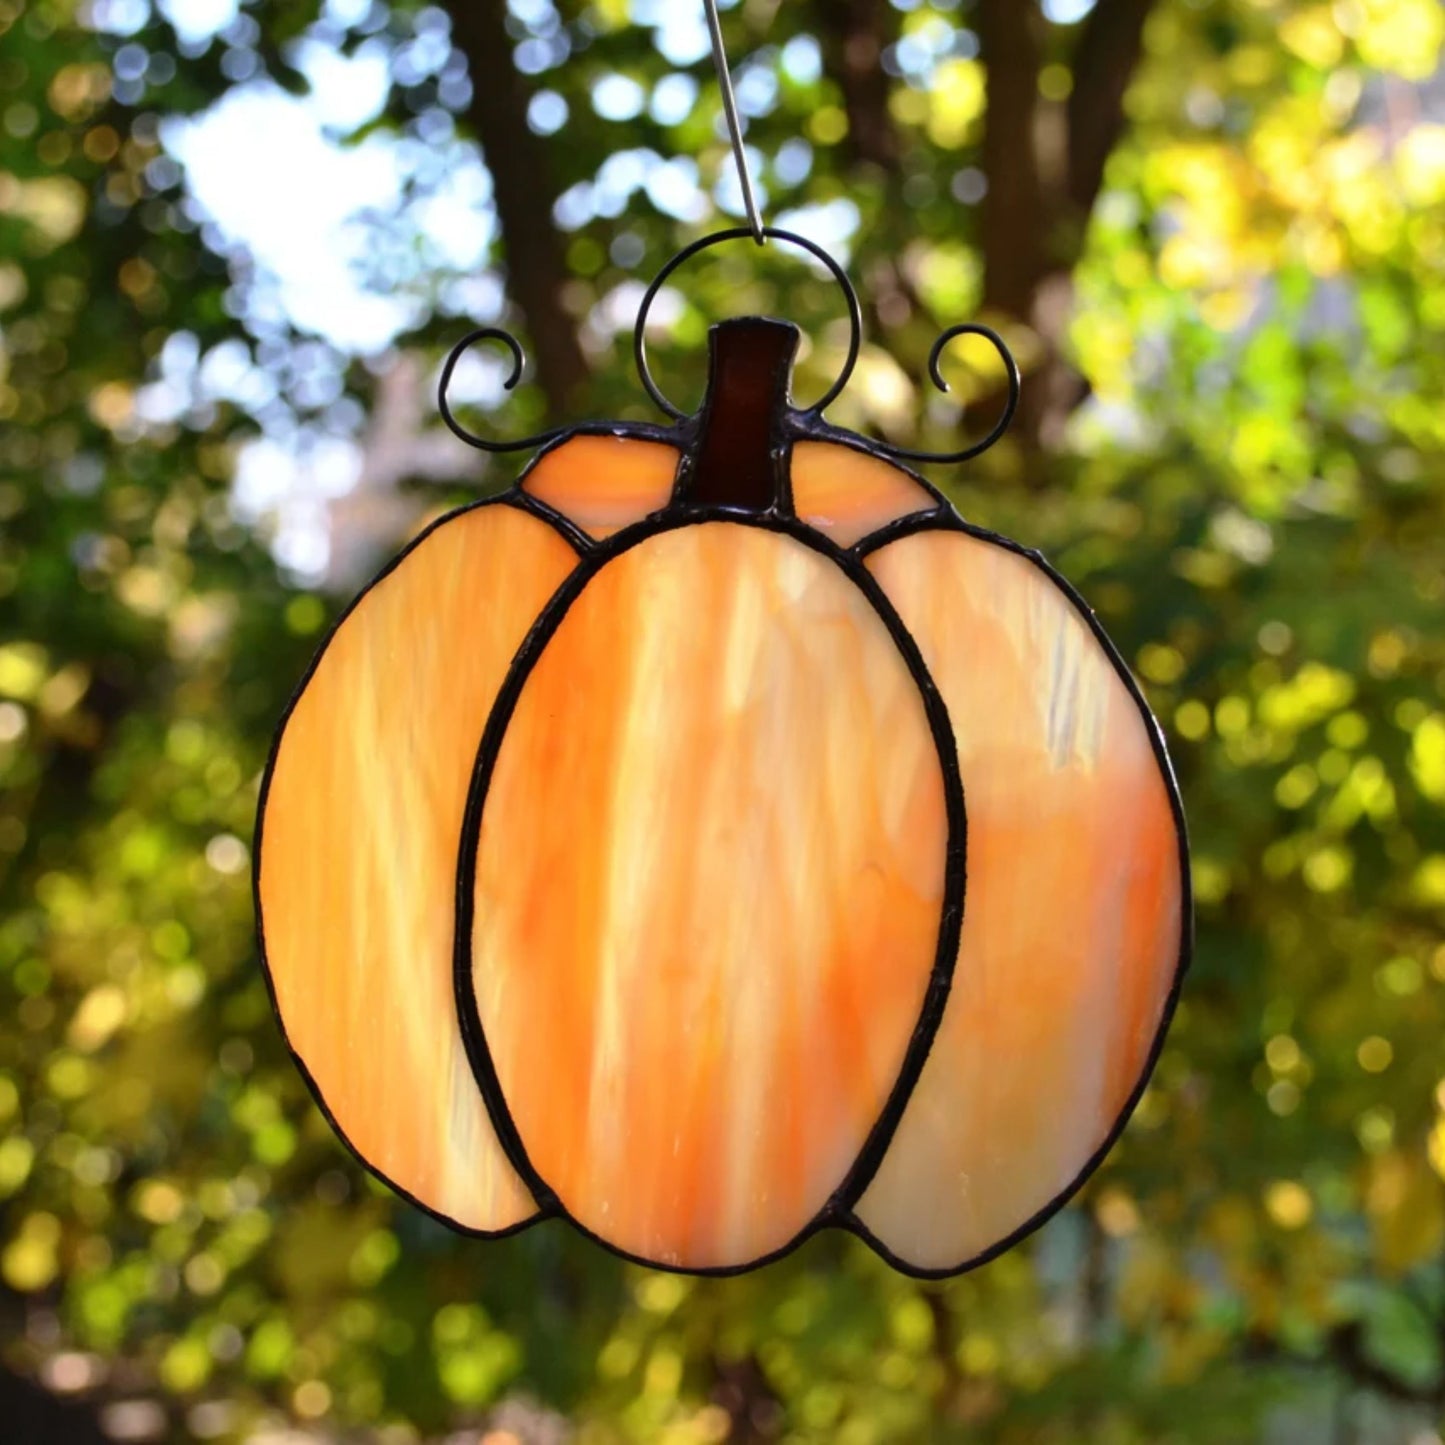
(735, 128)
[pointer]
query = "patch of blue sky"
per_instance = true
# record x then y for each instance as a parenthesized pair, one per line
(260, 167)
(829, 224)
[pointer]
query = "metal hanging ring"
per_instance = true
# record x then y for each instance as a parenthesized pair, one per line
(967, 328)
(741, 233)
(488, 333)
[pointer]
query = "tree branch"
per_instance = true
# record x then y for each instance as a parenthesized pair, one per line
(1345, 1351)
(1107, 54)
(525, 194)
(854, 34)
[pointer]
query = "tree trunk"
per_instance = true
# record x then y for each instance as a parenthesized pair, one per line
(29, 1414)
(1045, 162)
(1013, 218)
(525, 195)
(1109, 51)
(854, 34)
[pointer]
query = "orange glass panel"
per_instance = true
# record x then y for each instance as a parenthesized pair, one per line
(359, 854)
(709, 888)
(1071, 925)
(848, 494)
(604, 483)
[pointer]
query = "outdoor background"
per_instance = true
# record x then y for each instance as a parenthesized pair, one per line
(235, 243)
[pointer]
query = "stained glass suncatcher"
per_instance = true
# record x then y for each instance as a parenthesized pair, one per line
(715, 838)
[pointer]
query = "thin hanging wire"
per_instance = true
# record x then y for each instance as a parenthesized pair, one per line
(735, 129)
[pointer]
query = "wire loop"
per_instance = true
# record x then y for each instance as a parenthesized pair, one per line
(737, 233)
(488, 333)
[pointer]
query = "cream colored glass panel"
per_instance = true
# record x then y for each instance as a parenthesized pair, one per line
(359, 854)
(848, 494)
(709, 885)
(605, 483)
(1071, 926)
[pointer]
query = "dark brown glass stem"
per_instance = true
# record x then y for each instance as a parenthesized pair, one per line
(736, 462)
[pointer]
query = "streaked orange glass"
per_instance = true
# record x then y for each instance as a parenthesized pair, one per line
(604, 483)
(711, 817)
(708, 893)
(846, 494)
(1071, 927)
(359, 846)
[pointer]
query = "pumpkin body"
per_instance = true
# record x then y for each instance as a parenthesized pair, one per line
(688, 886)
(710, 841)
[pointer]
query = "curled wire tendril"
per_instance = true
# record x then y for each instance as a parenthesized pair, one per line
(489, 333)
(967, 328)
(644, 370)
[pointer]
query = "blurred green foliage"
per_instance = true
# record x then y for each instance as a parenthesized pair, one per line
(1249, 486)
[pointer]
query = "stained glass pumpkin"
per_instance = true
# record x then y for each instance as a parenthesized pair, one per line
(715, 838)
